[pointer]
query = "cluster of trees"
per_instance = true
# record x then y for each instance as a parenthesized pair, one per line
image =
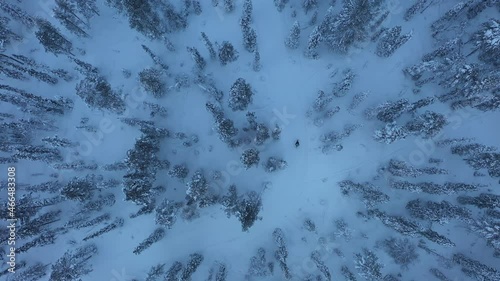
(142, 165)
(420, 214)
(74, 15)
(427, 125)
(452, 65)
(245, 207)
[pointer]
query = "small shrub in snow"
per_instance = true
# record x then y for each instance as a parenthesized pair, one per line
(309, 225)
(259, 267)
(274, 164)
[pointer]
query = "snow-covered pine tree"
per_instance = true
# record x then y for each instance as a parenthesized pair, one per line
(156, 272)
(51, 39)
(259, 266)
(198, 190)
(39, 224)
(192, 265)
(427, 125)
(227, 53)
(240, 95)
(117, 223)
(482, 201)
(18, 14)
(157, 60)
(292, 41)
(197, 7)
(316, 258)
(7, 36)
(80, 189)
(66, 12)
(350, 26)
(249, 39)
(390, 41)
(313, 42)
(179, 171)
(208, 45)
(281, 254)
(370, 194)
(256, 64)
(197, 58)
(250, 157)
(176, 21)
(143, 18)
(489, 229)
(221, 274)
(73, 264)
(390, 133)
(96, 91)
(174, 271)
(434, 188)
(248, 209)
(487, 41)
(368, 265)
(154, 237)
(341, 88)
(475, 269)
(152, 80)
(88, 8)
(412, 10)
(440, 212)
(32, 273)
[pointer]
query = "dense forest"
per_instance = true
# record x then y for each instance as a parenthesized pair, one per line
(310, 140)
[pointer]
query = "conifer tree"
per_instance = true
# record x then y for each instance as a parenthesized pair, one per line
(51, 39)
(292, 41)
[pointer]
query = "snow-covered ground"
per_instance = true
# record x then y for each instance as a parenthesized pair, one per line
(284, 92)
